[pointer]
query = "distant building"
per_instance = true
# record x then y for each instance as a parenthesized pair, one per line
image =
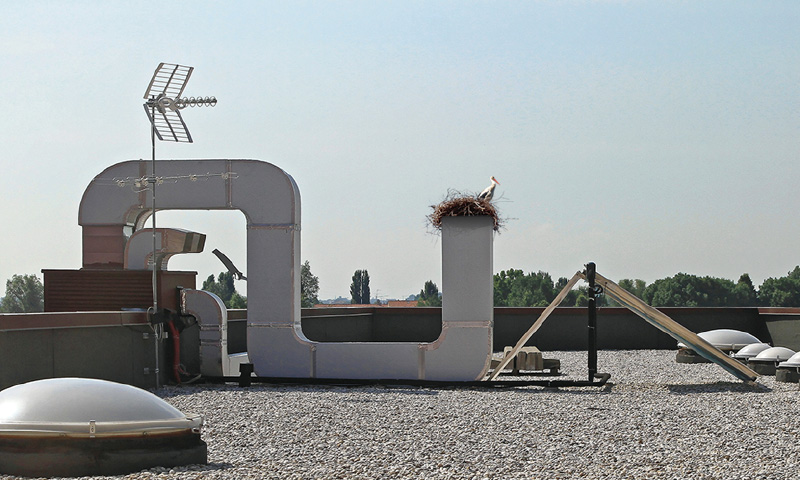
(335, 305)
(401, 303)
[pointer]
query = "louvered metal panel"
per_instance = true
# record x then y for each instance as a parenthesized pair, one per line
(110, 290)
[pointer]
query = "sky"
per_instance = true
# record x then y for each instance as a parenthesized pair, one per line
(650, 137)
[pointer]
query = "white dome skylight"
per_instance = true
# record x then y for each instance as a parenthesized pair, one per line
(773, 354)
(84, 406)
(749, 351)
(794, 361)
(75, 427)
(726, 339)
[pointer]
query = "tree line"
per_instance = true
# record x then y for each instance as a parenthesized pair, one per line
(512, 288)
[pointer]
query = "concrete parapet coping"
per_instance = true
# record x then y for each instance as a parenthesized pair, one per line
(42, 320)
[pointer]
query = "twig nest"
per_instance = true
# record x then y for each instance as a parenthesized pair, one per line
(457, 204)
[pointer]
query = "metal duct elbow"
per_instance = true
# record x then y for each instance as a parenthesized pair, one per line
(169, 242)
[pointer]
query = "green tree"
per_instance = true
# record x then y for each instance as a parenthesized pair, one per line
(359, 289)
(781, 292)
(514, 288)
(237, 301)
(309, 286)
(634, 286)
(581, 298)
(573, 297)
(429, 296)
(745, 293)
(685, 290)
(24, 294)
(502, 286)
(223, 288)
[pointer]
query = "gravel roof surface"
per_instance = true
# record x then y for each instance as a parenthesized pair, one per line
(655, 419)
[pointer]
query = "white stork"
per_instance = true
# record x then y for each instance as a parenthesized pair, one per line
(488, 192)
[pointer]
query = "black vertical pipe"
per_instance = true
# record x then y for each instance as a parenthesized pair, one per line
(592, 348)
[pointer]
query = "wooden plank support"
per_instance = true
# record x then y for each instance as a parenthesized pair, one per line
(674, 329)
(538, 323)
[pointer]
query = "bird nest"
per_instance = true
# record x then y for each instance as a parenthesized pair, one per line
(458, 204)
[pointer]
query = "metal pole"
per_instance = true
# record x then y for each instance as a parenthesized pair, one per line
(156, 328)
(592, 358)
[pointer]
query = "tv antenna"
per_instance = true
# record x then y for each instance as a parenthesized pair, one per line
(163, 105)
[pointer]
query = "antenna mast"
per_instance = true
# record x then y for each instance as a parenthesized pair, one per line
(163, 104)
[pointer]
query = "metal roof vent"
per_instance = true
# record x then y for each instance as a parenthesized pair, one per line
(766, 361)
(750, 351)
(80, 427)
(724, 339)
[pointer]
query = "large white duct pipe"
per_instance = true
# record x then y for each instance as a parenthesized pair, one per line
(270, 201)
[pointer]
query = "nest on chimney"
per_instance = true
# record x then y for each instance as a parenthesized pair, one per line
(457, 204)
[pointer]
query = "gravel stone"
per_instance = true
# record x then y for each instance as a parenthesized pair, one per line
(655, 419)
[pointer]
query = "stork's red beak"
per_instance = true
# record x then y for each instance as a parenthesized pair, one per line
(495, 181)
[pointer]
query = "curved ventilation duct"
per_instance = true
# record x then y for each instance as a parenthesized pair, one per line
(169, 241)
(270, 201)
(212, 317)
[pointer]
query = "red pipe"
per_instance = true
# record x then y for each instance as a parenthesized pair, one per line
(176, 351)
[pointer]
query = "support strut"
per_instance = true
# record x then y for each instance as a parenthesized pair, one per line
(593, 292)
